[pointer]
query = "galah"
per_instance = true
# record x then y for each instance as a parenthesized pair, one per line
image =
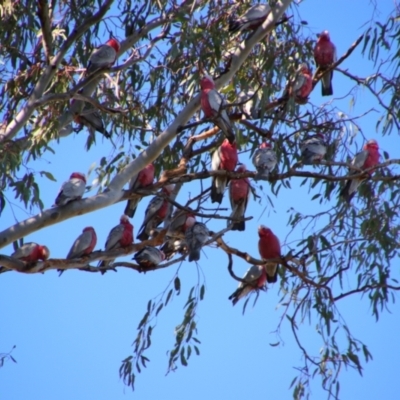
(144, 178)
(251, 19)
(367, 158)
(173, 246)
(269, 248)
(325, 56)
(149, 257)
(195, 237)
(255, 278)
(119, 237)
(224, 158)
(156, 212)
(72, 189)
(313, 149)
(181, 221)
(212, 104)
(104, 56)
(92, 119)
(264, 160)
(300, 86)
(239, 195)
(31, 252)
(83, 245)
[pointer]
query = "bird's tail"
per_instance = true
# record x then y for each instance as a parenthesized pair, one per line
(235, 25)
(235, 296)
(348, 192)
(272, 272)
(217, 189)
(194, 255)
(237, 213)
(326, 84)
(130, 208)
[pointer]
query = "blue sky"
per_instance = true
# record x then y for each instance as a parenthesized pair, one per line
(72, 332)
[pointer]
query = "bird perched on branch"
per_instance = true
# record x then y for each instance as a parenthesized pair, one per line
(300, 86)
(269, 248)
(264, 160)
(83, 245)
(255, 278)
(156, 212)
(195, 238)
(149, 257)
(119, 237)
(31, 252)
(367, 158)
(72, 189)
(224, 158)
(212, 104)
(103, 56)
(144, 178)
(91, 118)
(239, 195)
(325, 56)
(251, 19)
(313, 149)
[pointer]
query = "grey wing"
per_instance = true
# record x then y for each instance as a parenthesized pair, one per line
(24, 250)
(298, 82)
(201, 232)
(80, 245)
(103, 55)
(152, 209)
(314, 145)
(251, 275)
(216, 101)
(114, 236)
(256, 12)
(73, 188)
(177, 223)
(359, 160)
(216, 160)
(134, 182)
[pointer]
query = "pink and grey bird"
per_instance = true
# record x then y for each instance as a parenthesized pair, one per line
(264, 160)
(156, 212)
(313, 149)
(239, 195)
(367, 158)
(104, 56)
(149, 257)
(300, 86)
(144, 178)
(255, 278)
(72, 189)
(91, 118)
(31, 252)
(224, 158)
(325, 56)
(83, 245)
(195, 237)
(119, 237)
(181, 221)
(269, 247)
(212, 104)
(251, 19)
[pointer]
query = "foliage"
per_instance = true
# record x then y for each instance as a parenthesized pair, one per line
(146, 101)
